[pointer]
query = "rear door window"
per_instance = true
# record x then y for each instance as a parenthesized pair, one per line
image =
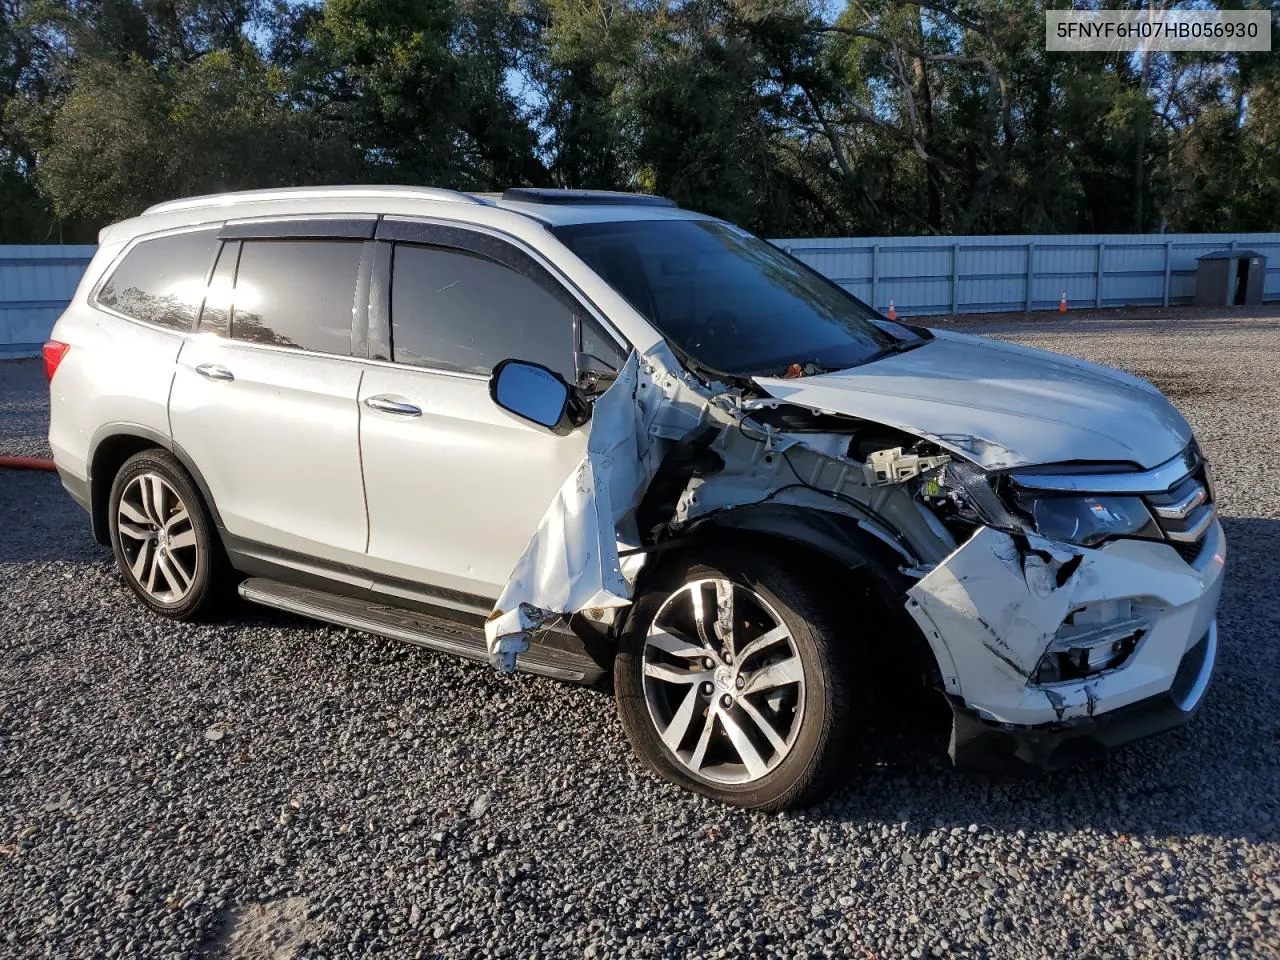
(296, 293)
(162, 281)
(459, 311)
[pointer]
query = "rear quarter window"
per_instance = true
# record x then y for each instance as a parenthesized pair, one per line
(162, 280)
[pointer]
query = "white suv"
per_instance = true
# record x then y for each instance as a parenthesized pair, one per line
(593, 436)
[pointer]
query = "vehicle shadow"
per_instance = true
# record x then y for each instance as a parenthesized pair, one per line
(40, 523)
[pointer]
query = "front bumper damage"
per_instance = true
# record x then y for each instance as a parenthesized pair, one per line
(991, 609)
(996, 607)
(986, 745)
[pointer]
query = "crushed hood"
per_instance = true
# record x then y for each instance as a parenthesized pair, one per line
(1001, 405)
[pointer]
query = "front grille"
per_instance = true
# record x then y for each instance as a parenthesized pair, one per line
(1184, 513)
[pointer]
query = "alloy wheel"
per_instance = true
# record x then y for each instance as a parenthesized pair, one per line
(723, 681)
(157, 538)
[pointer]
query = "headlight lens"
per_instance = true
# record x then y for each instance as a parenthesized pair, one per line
(1082, 519)
(1086, 519)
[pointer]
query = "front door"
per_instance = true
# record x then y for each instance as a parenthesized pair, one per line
(455, 485)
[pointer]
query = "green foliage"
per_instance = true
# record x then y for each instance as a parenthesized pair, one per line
(886, 116)
(133, 133)
(419, 87)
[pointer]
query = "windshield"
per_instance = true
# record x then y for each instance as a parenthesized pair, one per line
(731, 301)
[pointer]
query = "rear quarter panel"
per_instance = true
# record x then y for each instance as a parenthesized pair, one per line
(116, 375)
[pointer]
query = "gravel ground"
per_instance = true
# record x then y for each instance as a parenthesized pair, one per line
(275, 788)
(24, 409)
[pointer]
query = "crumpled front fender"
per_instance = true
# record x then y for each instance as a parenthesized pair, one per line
(587, 550)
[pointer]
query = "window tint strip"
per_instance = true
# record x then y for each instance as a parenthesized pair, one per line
(360, 312)
(215, 314)
(379, 303)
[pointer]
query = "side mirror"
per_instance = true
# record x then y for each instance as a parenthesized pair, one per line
(534, 393)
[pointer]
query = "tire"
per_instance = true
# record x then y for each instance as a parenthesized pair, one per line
(801, 683)
(165, 543)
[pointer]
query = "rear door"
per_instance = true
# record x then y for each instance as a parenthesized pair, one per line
(264, 399)
(456, 486)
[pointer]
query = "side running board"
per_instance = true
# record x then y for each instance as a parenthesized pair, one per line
(412, 626)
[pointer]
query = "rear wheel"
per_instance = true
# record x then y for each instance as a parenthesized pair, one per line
(164, 539)
(731, 682)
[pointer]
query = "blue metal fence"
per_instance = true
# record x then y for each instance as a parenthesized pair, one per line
(36, 283)
(941, 275)
(922, 275)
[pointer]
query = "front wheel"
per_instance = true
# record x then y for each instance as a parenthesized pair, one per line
(731, 681)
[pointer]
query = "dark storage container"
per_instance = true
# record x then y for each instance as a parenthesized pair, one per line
(1230, 278)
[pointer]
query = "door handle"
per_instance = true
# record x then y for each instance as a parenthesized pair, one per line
(214, 371)
(387, 405)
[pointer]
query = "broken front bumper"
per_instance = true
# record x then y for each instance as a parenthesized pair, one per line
(978, 744)
(997, 606)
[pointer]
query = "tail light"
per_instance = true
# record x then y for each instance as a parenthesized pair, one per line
(53, 352)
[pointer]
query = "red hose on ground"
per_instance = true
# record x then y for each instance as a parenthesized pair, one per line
(27, 463)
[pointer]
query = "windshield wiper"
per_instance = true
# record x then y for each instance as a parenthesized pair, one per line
(902, 346)
(705, 373)
(898, 346)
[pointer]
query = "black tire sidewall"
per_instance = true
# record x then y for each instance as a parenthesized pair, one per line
(208, 547)
(812, 766)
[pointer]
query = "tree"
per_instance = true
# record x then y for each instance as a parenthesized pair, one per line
(25, 216)
(419, 87)
(789, 116)
(133, 133)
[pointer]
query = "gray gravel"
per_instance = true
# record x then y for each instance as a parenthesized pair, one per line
(274, 788)
(24, 409)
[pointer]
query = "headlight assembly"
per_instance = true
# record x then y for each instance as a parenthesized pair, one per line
(1083, 519)
(1088, 520)
(971, 497)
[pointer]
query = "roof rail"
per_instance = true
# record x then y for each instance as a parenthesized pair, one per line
(584, 197)
(372, 191)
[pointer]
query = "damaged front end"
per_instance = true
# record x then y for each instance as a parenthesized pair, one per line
(668, 452)
(1055, 650)
(1048, 600)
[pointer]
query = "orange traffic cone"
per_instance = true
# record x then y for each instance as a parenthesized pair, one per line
(1062, 304)
(893, 314)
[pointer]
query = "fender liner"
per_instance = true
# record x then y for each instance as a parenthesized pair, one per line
(837, 536)
(842, 540)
